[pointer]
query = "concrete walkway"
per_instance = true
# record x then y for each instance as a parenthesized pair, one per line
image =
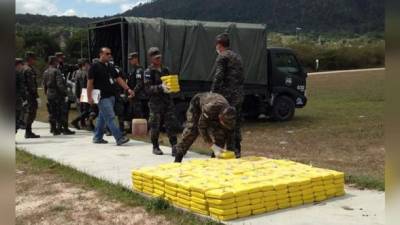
(114, 163)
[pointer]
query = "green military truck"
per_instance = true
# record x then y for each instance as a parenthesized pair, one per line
(275, 82)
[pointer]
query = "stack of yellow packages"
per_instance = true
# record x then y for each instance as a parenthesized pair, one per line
(172, 82)
(236, 188)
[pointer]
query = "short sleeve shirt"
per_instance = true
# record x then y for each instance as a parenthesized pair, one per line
(103, 76)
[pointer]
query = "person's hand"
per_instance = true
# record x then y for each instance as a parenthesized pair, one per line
(91, 101)
(131, 93)
(24, 103)
(217, 150)
(38, 101)
(165, 88)
(66, 99)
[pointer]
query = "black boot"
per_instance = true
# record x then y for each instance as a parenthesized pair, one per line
(173, 141)
(29, 133)
(75, 123)
(179, 157)
(156, 148)
(238, 150)
(54, 130)
(67, 131)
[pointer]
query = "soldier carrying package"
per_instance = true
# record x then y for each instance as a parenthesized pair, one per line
(161, 104)
(211, 116)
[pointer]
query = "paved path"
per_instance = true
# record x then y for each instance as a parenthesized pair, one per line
(346, 71)
(114, 163)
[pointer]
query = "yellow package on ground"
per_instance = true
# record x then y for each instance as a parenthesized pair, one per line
(221, 201)
(198, 200)
(222, 193)
(197, 194)
(199, 211)
(243, 203)
(244, 214)
(225, 217)
(222, 212)
(259, 211)
(242, 209)
(257, 206)
(226, 206)
(198, 206)
(227, 155)
(296, 203)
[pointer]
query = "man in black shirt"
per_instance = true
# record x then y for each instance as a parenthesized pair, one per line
(101, 76)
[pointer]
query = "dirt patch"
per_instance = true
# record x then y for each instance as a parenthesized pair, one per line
(43, 198)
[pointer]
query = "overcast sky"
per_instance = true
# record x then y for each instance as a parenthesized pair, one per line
(81, 8)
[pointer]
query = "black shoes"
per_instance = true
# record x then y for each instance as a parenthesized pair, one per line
(157, 150)
(31, 135)
(102, 141)
(122, 140)
(178, 157)
(67, 132)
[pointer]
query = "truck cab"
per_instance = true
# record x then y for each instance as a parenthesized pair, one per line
(286, 84)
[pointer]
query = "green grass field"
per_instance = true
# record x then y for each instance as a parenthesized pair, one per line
(341, 128)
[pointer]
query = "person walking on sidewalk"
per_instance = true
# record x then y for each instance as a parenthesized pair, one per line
(101, 76)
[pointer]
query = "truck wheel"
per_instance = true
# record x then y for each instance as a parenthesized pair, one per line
(283, 109)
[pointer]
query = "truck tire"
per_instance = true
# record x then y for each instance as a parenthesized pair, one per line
(283, 109)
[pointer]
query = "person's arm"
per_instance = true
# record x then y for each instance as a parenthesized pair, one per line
(30, 84)
(125, 86)
(216, 85)
(139, 81)
(60, 83)
(149, 88)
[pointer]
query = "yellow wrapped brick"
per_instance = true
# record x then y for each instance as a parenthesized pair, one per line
(308, 200)
(257, 206)
(223, 207)
(199, 211)
(222, 193)
(256, 195)
(269, 204)
(272, 208)
(259, 211)
(296, 203)
(197, 194)
(244, 214)
(198, 206)
(245, 208)
(243, 203)
(225, 217)
(283, 205)
(256, 201)
(221, 201)
(242, 198)
(198, 200)
(227, 155)
(222, 212)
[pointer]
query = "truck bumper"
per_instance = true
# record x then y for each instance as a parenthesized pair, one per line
(301, 101)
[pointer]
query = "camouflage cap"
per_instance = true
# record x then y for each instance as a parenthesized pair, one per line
(229, 117)
(133, 55)
(58, 54)
(82, 61)
(154, 52)
(52, 59)
(18, 61)
(30, 54)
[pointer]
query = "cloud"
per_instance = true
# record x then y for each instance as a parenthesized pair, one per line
(127, 6)
(106, 1)
(44, 7)
(69, 12)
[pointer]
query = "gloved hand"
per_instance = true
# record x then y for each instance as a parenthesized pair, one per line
(165, 88)
(39, 102)
(66, 99)
(24, 103)
(217, 150)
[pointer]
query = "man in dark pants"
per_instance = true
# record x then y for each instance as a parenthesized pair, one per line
(20, 96)
(161, 104)
(56, 92)
(208, 114)
(101, 76)
(136, 83)
(30, 77)
(81, 82)
(228, 81)
(66, 71)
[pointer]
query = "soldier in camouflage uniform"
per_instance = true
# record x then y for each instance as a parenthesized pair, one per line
(137, 105)
(30, 77)
(228, 81)
(81, 82)
(20, 94)
(56, 92)
(161, 104)
(208, 114)
(66, 71)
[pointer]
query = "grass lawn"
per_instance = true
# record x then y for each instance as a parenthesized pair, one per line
(341, 128)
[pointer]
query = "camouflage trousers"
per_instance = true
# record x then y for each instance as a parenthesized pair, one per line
(163, 111)
(30, 114)
(56, 108)
(220, 136)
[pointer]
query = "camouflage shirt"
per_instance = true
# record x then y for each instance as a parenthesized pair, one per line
(30, 77)
(54, 83)
(229, 77)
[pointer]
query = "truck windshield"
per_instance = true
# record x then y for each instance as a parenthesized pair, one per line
(287, 63)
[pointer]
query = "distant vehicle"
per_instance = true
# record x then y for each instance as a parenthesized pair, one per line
(275, 81)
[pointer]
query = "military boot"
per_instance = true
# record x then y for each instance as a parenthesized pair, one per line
(66, 131)
(156, 148)
(179, 156)
(29, 133)
(54, 130)
(238, 149)
(173, 141)
(75, 123)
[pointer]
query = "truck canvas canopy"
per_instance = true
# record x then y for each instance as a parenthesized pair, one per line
(188, 46)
